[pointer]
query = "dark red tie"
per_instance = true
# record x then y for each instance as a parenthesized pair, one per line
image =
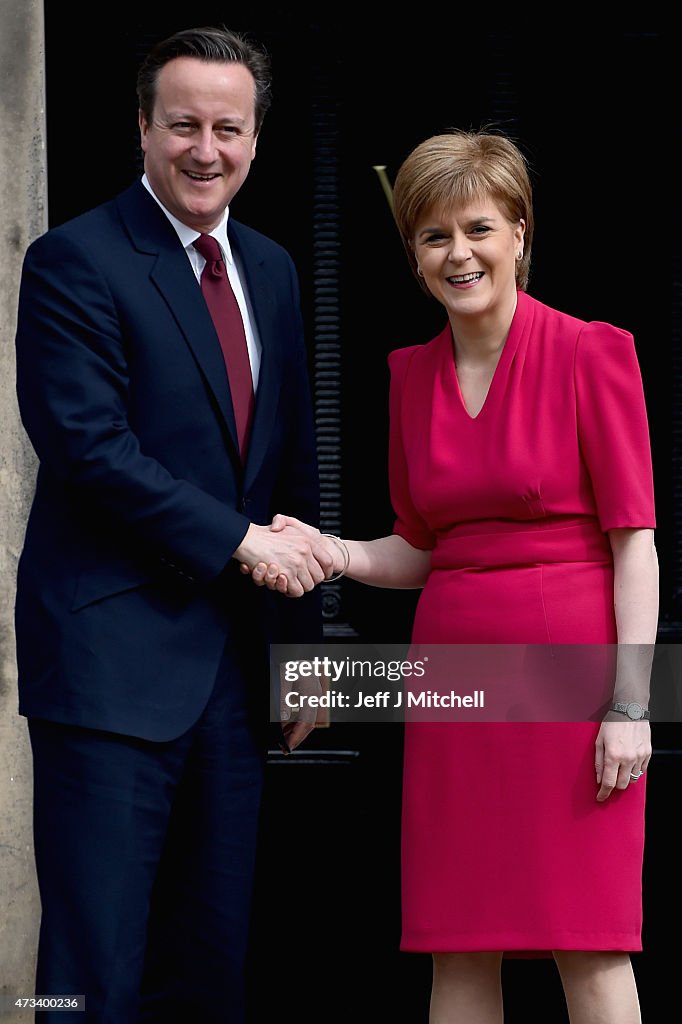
(222, 305)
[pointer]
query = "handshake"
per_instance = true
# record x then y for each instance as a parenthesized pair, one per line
(289, 556)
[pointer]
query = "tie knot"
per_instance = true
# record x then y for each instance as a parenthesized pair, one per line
(210, 250)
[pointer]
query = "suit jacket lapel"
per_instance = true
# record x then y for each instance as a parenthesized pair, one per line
(265, 310)
(152, 232)
(196, 324)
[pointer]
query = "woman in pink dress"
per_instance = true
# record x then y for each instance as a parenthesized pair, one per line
(521, 479)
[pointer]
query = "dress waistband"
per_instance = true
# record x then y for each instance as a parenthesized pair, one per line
(498, 544)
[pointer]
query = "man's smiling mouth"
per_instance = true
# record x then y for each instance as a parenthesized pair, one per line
(194, 176)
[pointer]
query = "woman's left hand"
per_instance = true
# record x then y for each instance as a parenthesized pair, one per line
(622, 750)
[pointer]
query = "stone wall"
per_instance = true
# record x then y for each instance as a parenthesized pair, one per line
(23, 216)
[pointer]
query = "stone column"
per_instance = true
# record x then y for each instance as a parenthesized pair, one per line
(23, 216)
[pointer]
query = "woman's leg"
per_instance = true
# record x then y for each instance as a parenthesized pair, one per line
(599, 987)
(467, 988)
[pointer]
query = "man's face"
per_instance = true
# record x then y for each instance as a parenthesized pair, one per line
(201, 140)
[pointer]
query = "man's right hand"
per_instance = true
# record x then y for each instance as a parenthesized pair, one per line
(305, 560)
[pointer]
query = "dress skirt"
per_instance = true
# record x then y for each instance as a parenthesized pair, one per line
(504, 846)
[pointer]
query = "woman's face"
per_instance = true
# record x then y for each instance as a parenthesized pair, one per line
(467, 255)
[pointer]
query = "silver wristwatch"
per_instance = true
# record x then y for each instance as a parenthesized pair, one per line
(633, 710)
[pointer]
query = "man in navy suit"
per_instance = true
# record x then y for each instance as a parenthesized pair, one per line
(142, 649)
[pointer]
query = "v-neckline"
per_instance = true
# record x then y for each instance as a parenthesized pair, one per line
(508, 348)
(488, 390)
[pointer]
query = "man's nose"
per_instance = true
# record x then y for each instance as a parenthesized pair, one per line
(204, 147)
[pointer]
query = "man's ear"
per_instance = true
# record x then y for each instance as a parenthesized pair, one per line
(144, 129)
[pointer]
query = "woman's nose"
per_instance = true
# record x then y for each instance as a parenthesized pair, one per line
(459, 250)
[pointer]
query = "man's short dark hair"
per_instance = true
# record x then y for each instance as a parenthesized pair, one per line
(219, 45)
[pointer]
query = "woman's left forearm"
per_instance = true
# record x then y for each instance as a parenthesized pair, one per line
(636, 598)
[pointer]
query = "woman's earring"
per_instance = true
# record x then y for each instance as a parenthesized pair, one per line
(420, 271)
(519, 255)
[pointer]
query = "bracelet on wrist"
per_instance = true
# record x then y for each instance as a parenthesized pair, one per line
(343, 547)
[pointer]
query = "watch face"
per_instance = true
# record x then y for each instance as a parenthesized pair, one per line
(635, 711)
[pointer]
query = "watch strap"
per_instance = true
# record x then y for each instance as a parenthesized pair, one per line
(624, 709)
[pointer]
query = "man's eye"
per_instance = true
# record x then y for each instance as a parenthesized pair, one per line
(228, 129)
(182, 126)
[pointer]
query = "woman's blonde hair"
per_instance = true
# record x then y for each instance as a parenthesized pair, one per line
(457, 168)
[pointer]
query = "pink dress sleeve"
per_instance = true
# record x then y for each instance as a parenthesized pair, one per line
(408, 524)
(613, 429)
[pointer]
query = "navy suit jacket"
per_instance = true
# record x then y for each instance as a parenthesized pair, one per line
(127, 596)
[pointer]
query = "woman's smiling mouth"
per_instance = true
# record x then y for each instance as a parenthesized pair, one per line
(465, 280)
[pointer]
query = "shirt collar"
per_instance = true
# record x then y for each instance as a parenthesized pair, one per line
(189, 235)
